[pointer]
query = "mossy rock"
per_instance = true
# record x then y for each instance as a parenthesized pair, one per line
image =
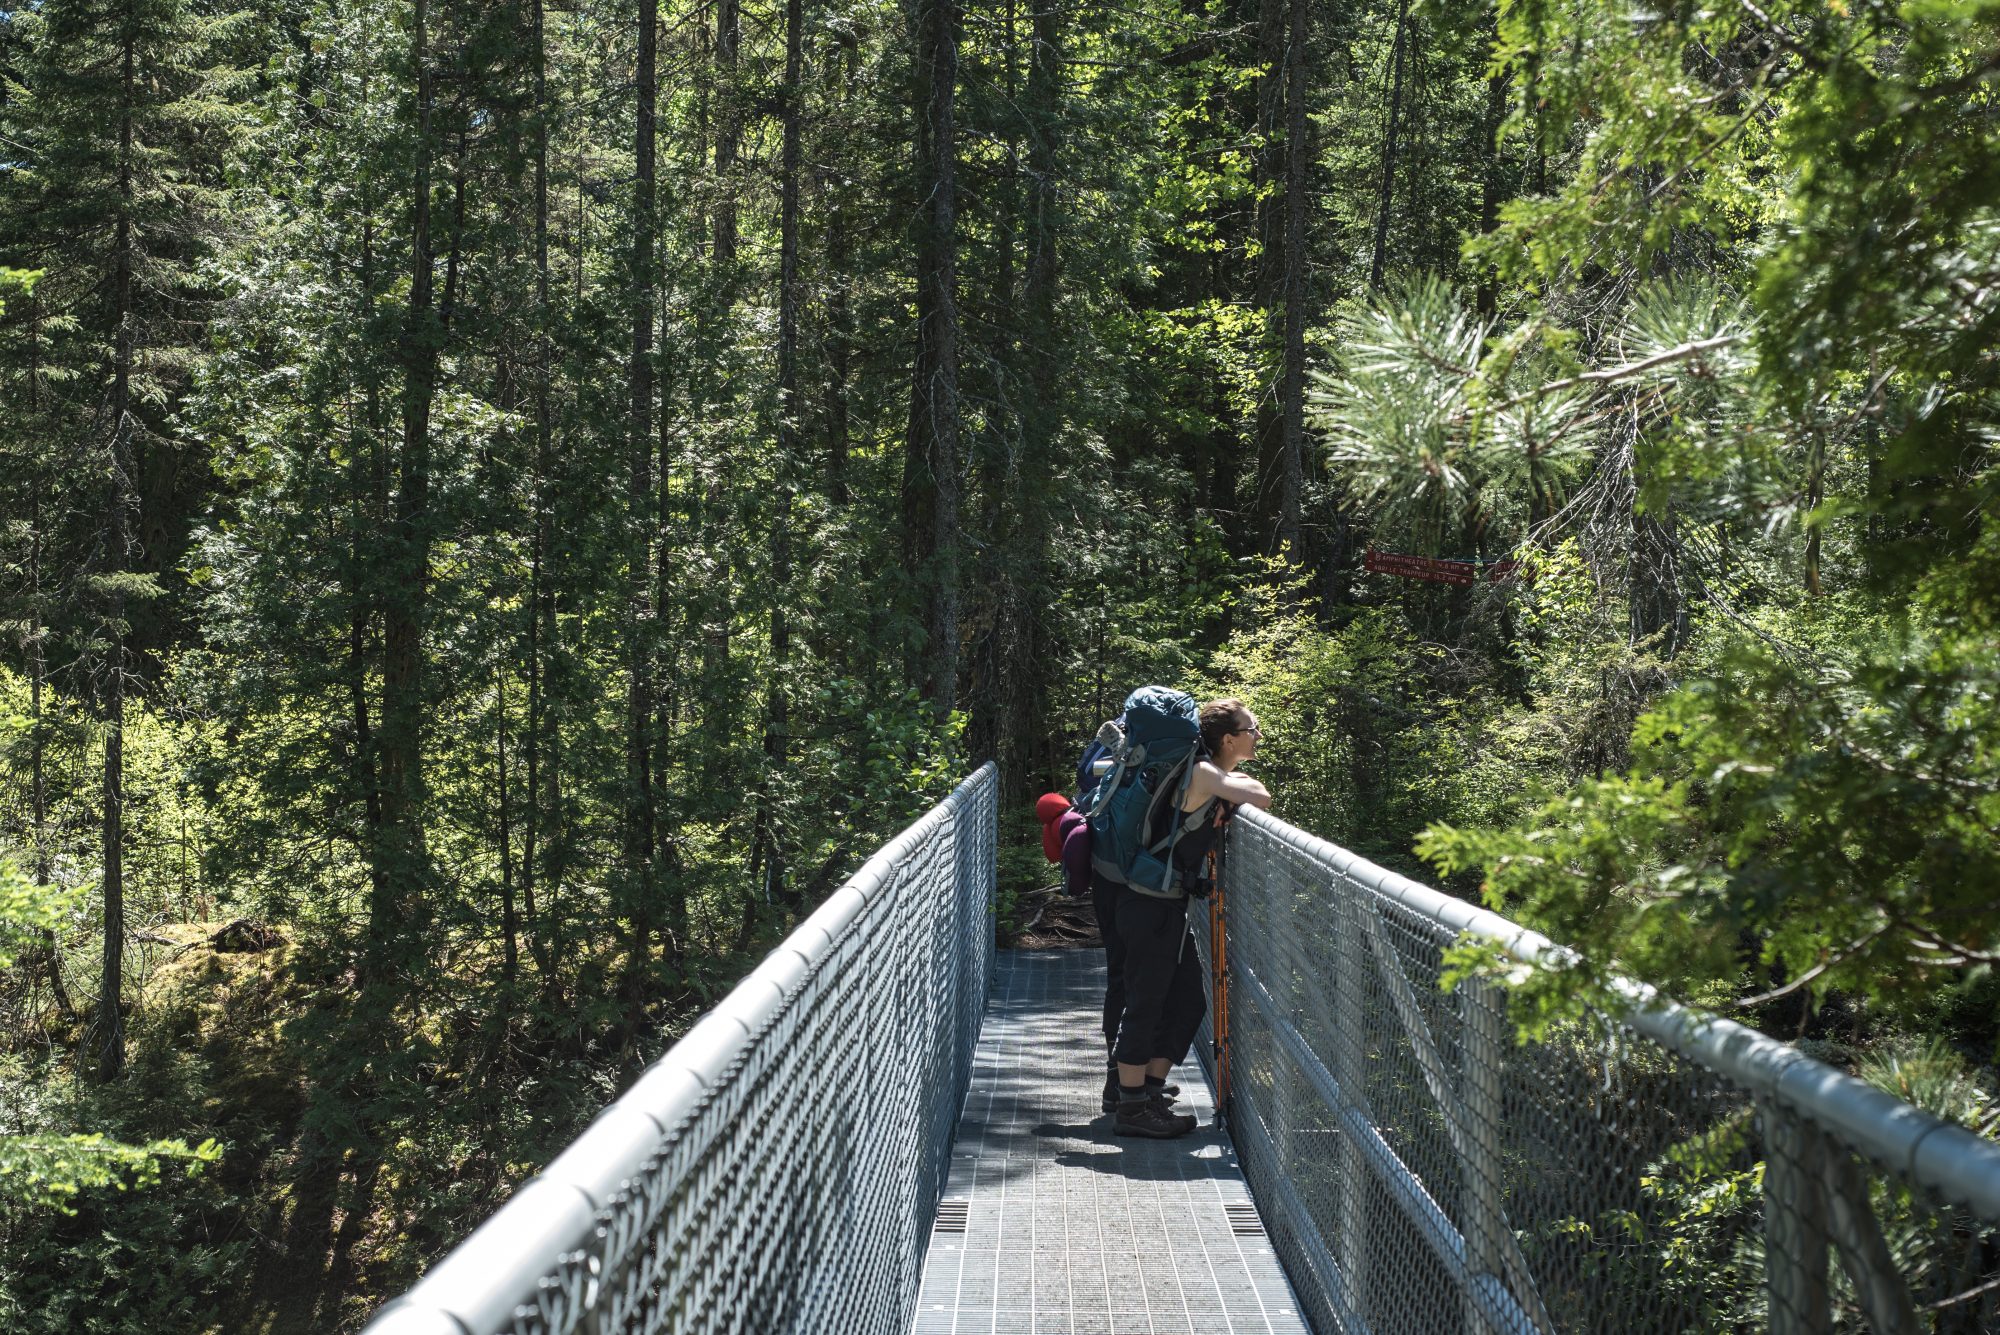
(246, 935)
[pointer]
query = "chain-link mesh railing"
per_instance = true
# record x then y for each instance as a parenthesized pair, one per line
(1420, 1172)
(777, 1170)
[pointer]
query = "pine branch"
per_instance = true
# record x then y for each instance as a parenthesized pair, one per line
(1841, 956)
(1614, 373)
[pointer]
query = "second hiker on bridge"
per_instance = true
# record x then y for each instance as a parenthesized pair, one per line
(1168, 779)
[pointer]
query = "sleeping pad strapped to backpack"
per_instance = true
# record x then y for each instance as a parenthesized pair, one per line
(1135, 806)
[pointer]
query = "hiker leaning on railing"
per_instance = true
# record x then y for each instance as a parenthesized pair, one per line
(1164, 999)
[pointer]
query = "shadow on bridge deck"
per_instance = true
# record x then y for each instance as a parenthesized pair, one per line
(1051, 1225)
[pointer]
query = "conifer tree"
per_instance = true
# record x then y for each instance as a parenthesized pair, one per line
(931, 465)
(118, 121)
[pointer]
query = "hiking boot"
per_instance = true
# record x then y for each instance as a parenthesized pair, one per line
(1151, 1118)
(1110, 1102)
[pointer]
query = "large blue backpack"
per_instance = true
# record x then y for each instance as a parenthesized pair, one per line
(1134, 807)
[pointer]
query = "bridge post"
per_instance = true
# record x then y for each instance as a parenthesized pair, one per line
(1795, 1234)
(1350, 1070)
(1879, 1286)
(1281, 923)
(1482, 1010)
(1217, 910)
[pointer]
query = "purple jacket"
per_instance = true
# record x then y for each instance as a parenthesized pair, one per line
(1074, 831)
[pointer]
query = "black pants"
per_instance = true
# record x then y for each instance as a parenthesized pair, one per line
(1104, 898)
(1164, 1002)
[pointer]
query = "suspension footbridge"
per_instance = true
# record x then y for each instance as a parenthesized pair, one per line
(889, 1130)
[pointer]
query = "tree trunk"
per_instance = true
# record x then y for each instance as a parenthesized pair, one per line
(448, 305)
(639, 810)
(839, 361)
(715, 601)
(728, 128)
(931, 456)
(994, 453)
(110, 998)
(777, 710)
(1389, 136)
(1492, 186)
(1658, 598)
(833, 645)
(1414, 154)
(38, 777)
(667, 695)
(121, 500)
(1292, 384)
(367, 490)
(1815, 495)
(36, 651)
(1270, 170)
(510, 924)
(1024, 683)
(541, 602)
(842, 72)
(395, 919)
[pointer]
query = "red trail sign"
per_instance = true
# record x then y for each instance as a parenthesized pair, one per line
(1438, 569)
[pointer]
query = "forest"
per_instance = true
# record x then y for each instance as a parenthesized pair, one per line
(504, 505)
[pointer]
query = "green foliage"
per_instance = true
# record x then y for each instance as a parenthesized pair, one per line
(1838, 818)
(28, 910)
(169, 823)
(1710, 1198)
(1437, 433)
(908, 756)
(1367, 731)
(16, 280)
(1807, 796)
(1927, 1072)
(51, 1171)
(1586, 678)
(1023, 867)
(1451, 431)
(105, 1237)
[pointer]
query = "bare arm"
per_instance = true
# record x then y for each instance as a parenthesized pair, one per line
(1208, 781)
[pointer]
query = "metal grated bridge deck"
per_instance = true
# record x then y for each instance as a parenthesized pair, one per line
(1051, 1225)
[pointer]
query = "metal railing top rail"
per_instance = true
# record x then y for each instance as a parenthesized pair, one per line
(1941, 1156)
(487, 1282)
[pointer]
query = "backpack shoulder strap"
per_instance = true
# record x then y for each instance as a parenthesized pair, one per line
(1175, 781)
(1128, 761)
(1189, 822)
